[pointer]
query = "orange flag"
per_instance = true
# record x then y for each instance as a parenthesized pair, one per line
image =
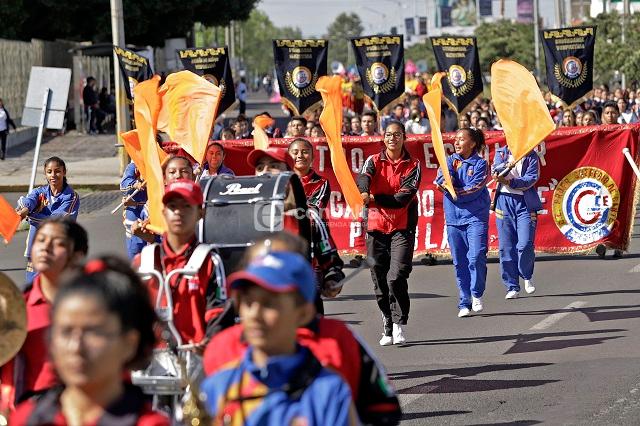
(9, 220)
(189, 107)
(132, 146)
(260, 138)
(146, 107)
(520, 107)
(331, 121)
(433, 102)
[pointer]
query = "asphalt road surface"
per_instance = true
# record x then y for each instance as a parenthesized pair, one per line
(567, 354)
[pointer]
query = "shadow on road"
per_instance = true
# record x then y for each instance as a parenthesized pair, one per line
(412, 296)
(552, 345)
(427, 414)
(589, 293)
(453, 385)
(511, 423)
(464, 371)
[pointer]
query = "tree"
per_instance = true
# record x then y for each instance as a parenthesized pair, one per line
(506, 39)
(339, 34)
(421, 51)
(146, 22)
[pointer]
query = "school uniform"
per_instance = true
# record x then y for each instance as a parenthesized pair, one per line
(132, 214)
(516, 217)
(467, 220)
(222, 170)
(42, 204)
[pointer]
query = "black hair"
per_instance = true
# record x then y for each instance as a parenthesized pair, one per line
(264, 113)
(398, 105)
(173, 158)
(610, 104)
(476, 136)
(113, 284)
(228, 129)
(485, 119)
(72, 229)
(370, 114)
(90, 79)
(218, 144)
(60, 162)
(240, 117)
(303, 141)
(299, 118)
(399, 124)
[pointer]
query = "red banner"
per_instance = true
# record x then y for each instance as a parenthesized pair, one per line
(586, 186)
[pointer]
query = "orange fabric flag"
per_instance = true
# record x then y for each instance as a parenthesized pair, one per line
(189, 107)
(146, 107)
(9, 220)
(433, 103)
(260, 138)
(331, 121)
(132, 146)
(520, 107)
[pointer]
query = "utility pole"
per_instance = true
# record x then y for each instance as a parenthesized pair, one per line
(625, 14)
(122, 109)
(536, 35)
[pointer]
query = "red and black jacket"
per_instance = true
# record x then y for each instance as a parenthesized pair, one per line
(394, 185)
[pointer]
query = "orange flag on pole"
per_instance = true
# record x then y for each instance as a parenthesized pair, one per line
(520, 107)
(260, 138)
(433, 103)
(146, 107)
(189, 107)
(331, 121)
(9, 220)
(132, 146)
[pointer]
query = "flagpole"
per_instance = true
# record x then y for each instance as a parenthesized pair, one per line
(536, 35)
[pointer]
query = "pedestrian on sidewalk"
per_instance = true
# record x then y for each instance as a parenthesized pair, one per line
(55, 199)
(241, 92)
(388, 185)
(467, 217)
(5, 122)
(517, 205)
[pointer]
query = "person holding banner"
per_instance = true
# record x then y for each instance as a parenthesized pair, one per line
(516, 210)
(55, 199)
(467, 217)
(388, 184)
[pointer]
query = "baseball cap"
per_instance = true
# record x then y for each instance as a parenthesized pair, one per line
(278, 272)
(278, 154)
(186, 189)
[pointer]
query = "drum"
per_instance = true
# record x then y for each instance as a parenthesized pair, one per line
(239, 210)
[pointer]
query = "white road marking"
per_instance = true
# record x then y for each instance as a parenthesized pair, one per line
(635, 269)
(554, 318)
(408, 398)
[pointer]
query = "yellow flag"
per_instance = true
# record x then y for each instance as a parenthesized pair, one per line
(520, 107)
(432, 102)
(146, 107)
(189, 106)
(260, 138)
(132, 146)
(331, 121)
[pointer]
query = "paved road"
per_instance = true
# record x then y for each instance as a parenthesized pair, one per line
(569, 354)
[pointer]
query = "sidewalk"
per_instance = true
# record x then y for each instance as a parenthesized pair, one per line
(91, 162)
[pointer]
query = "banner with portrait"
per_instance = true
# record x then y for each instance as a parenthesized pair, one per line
(380, 63)
(134, 68)
(568, 54)
(299, 64)
(458, 57)
(213, 65)
(586, 187)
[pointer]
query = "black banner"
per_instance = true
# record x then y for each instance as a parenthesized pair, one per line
(135, 68)
(458, 57)
(299, 64)
(213, 65)
(568, 54)
(380, 62)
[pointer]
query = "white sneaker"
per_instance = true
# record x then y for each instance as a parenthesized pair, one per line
(511, 294)
(398, 335)
(386, 340)
(464, 312)
(476, 304)
(529, 287)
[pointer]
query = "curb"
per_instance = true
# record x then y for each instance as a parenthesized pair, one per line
(76, 187)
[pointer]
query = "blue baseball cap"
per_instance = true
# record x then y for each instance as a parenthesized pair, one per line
(279, 272)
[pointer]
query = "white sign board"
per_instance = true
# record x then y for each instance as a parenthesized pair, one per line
(42, 78)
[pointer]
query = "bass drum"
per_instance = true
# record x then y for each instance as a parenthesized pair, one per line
(239, 210)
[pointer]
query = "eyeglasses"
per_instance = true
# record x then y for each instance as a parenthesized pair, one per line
(393, 135)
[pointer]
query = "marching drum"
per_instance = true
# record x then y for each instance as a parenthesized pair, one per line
(239, 210)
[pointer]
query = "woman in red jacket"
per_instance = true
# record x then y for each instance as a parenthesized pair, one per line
(388, 184)
(102, 325)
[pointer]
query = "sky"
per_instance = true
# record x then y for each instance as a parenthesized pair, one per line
(314, 16)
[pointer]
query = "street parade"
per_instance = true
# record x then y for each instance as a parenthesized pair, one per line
(357, 227)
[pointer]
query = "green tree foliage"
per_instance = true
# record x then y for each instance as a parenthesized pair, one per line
(420, 51)
(258, 34)
(506, 39)
(146, 22)
(339, 33)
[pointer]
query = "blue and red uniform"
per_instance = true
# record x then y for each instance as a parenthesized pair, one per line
(132, 213)
(288, 390)
(42, 204)
(516, 217)
(467, 220)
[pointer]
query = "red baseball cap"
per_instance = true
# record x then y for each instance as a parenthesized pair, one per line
(186, 189)
(278, 154)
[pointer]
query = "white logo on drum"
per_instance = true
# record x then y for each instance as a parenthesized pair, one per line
(237, 189)
(585, 205)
